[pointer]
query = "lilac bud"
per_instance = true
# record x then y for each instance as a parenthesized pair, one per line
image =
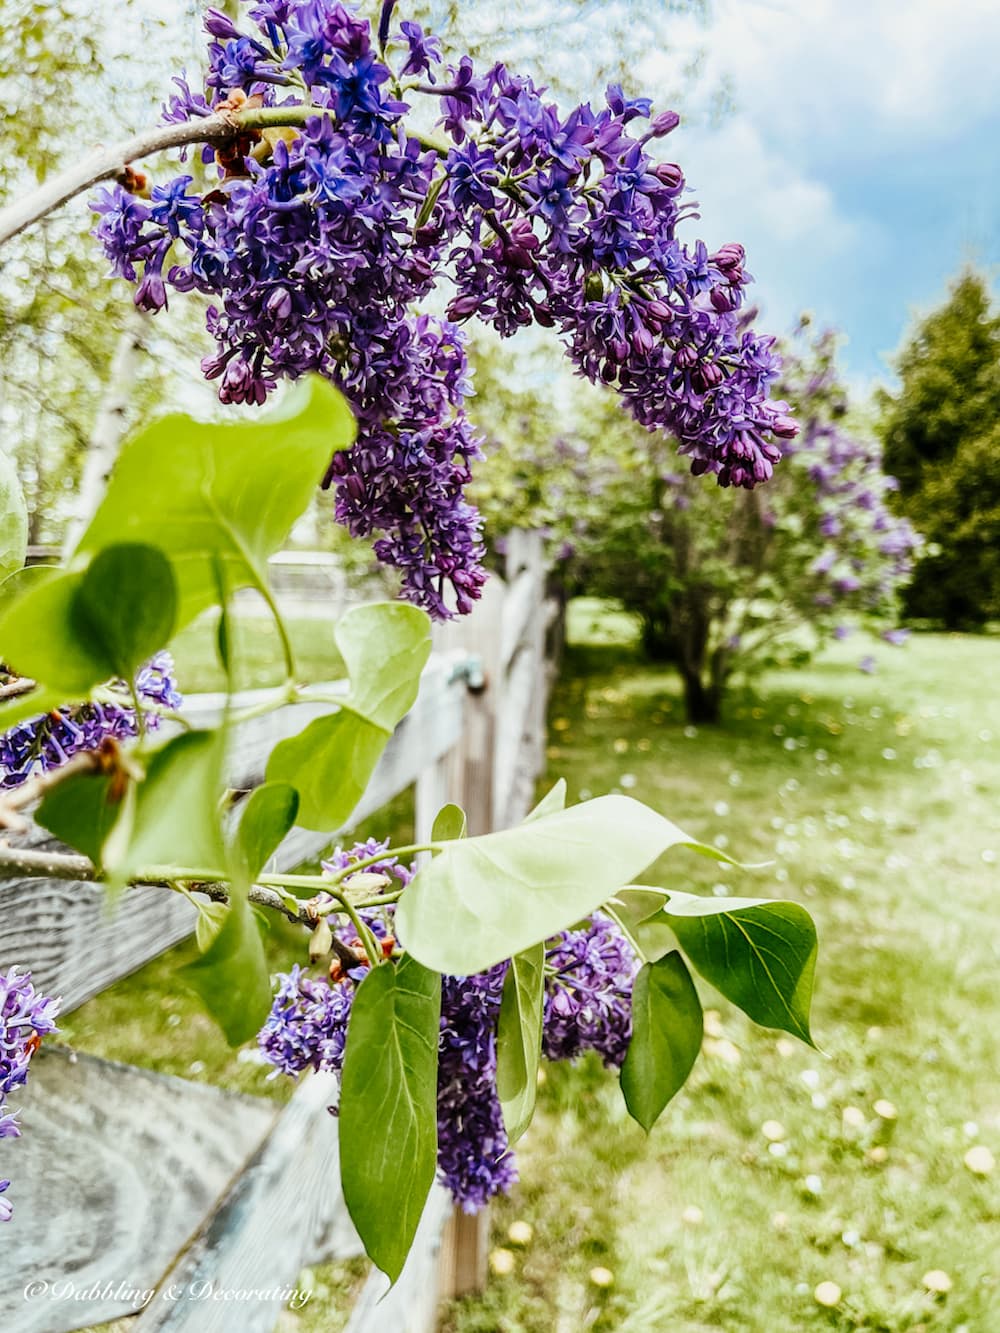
(670, 176)
(784, 427)
(463, 306)
(723, 299)
(729, 261)
(220, 25)
(279, 304)
(663, 124)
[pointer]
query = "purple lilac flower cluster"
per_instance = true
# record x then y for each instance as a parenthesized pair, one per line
(319, 244)
(869, 549)
(46, 742)
(588, 996)
(25, 1018)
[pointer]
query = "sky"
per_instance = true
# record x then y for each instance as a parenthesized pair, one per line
(860, 160)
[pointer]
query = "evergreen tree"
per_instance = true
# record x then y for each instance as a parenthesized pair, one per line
(941, 433)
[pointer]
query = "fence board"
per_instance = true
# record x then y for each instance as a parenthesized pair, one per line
(262, 1232)
(115, 1170)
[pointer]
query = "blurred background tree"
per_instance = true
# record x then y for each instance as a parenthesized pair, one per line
(723, 585)
(941, 432)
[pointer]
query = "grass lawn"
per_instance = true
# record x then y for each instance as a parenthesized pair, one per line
(877, 800)
(780, 1168)
(256, 650)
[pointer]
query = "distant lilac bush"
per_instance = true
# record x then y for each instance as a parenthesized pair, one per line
(318, 244)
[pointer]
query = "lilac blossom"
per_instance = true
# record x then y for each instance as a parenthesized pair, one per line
(42, 743)
(26, 1016)
(589, 973)
(316, 252)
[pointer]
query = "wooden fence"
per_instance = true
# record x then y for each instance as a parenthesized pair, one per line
(137, 1189)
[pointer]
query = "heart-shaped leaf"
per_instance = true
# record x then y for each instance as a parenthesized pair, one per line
(231, 976)
(268, 814)
(226, 492)
(125, 605)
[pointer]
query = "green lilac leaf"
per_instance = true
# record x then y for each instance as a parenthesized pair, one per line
(125, 606)
(268, 814)
(231, 977)
(759, 953)
(176, 813)
(388, 1107)
(667, 1030)
(450, 824)
(485, 899)
(79, 812)
(553, 800)
(226, 492)
(519, 1039)
(385, 646)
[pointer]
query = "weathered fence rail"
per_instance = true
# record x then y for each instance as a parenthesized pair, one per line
(130, 1182)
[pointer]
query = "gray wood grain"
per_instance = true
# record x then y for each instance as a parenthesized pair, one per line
(411, 1305)
(115, 1170)
(236, 1274)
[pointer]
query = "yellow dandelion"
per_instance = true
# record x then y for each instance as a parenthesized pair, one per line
(502, 1262)
(827, 1294)
(980, 1160)
(937, 1281)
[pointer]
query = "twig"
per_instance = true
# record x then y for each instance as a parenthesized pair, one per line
(106, 163)
(15, 688)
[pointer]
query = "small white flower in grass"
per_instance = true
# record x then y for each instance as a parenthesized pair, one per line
(778, 1149)
(827, 1294)
(690, 733)
(196, 1067)
(785, 1047)
(813, 1184)
(692, 1216)
(627, 781)
(721, 809)
(820, 1101)
(720, 890)
(721, 841)
(970, 1129)
(735, 779)
(620, 746)
(520, 1233)
(889, 753)
(980, 1160)
(885, 1110)
(502, 1262)
(810, 1077)
(850, 1238)
(878, 1155)
(937, 1281)
(989, 856)
(854, 1117)
(602, 1277)
(779, 1221)
(773, 1130)
(713, 1023)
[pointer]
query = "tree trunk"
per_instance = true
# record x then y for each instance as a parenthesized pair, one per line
(702, 703)
(109, 426)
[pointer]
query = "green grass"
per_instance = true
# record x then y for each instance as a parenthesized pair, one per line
(876, 799)
(257, 650)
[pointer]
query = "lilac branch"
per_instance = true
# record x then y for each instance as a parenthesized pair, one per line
(108, 163)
